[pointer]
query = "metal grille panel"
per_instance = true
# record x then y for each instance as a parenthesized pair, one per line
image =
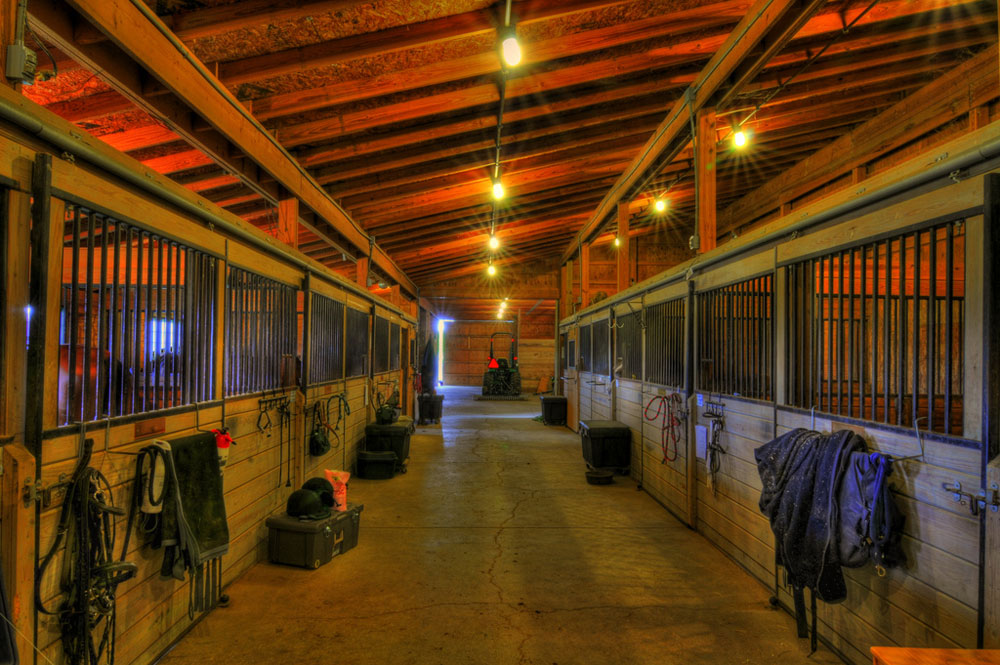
(260, 332)
(735, 339)
(628, 345)
(665, 343)
(585, 355)
(601, 338)
(326, 340)
(136, 323)
(357, 343)
(876, 331)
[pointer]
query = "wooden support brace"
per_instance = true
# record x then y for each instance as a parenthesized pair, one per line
(17, 543)
(624, 255)
(705, 173)
(288, 221)
(584, 275)
(361, 276)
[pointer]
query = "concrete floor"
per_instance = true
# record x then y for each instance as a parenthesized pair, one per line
(493, 549)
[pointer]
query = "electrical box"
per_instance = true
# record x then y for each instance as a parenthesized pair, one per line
(21, 63)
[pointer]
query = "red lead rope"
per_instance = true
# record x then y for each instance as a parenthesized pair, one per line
(667, 408)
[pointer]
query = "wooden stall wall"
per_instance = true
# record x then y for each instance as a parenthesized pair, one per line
(932, 600)
(467, 349)
(267, 463)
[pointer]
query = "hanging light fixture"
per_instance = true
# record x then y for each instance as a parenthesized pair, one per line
(498, 192)
(503, 305)
(510, 49)
(618, 241)
(739, 138)
(499, 315)
(660, 205)
(494, 242)
(491, 269)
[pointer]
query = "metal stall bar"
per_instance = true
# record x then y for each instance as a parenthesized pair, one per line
(915, 334)
(949, 263)
(74, 308)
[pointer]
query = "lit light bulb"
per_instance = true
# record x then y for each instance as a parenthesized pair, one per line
(503, 305)
(494, 242)
(499, 315)
(497, 190)
(511, 50)
(491, 270)
(660, 205)
(618, 242)
(739, 139)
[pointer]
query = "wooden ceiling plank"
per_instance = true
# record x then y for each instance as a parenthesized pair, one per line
(966, 86)
(485, 64)
(56, 24)
(402, 187)
(210, 21)
(136, 34)
(736, 55)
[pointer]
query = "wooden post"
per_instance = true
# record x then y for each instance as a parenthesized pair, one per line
(624, 257)
(705, 174)
(17, 546)
(991, 618)
(568, 302)
(361, 277)
(633, 275)
(556, 381)
(16, 286)
(288, 221)
(584, 275)
(979, 117)
(8, 28)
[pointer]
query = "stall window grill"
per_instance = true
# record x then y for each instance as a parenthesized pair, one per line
(601, 339)
(380, 352)
(570, 352)
(136, 323)
(394, 346)
(665, 343)
(261, 324)
(326, 340)
(585, 357)
(628, 345)
(357, 343)
(735, 339)
(876, 331)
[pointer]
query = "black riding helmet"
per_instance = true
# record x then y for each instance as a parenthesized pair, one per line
(322, 487)
(307, 505)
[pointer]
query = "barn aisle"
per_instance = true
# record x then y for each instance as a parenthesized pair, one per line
(493, 549)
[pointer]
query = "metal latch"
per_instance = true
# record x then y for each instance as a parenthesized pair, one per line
(977, 502)
(35, 491)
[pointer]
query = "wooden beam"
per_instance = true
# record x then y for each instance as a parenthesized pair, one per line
(584, 250)
(624, 256)
(773, 21)
(288, 221)
(704, 173)
(967, 86)
(138, 34)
